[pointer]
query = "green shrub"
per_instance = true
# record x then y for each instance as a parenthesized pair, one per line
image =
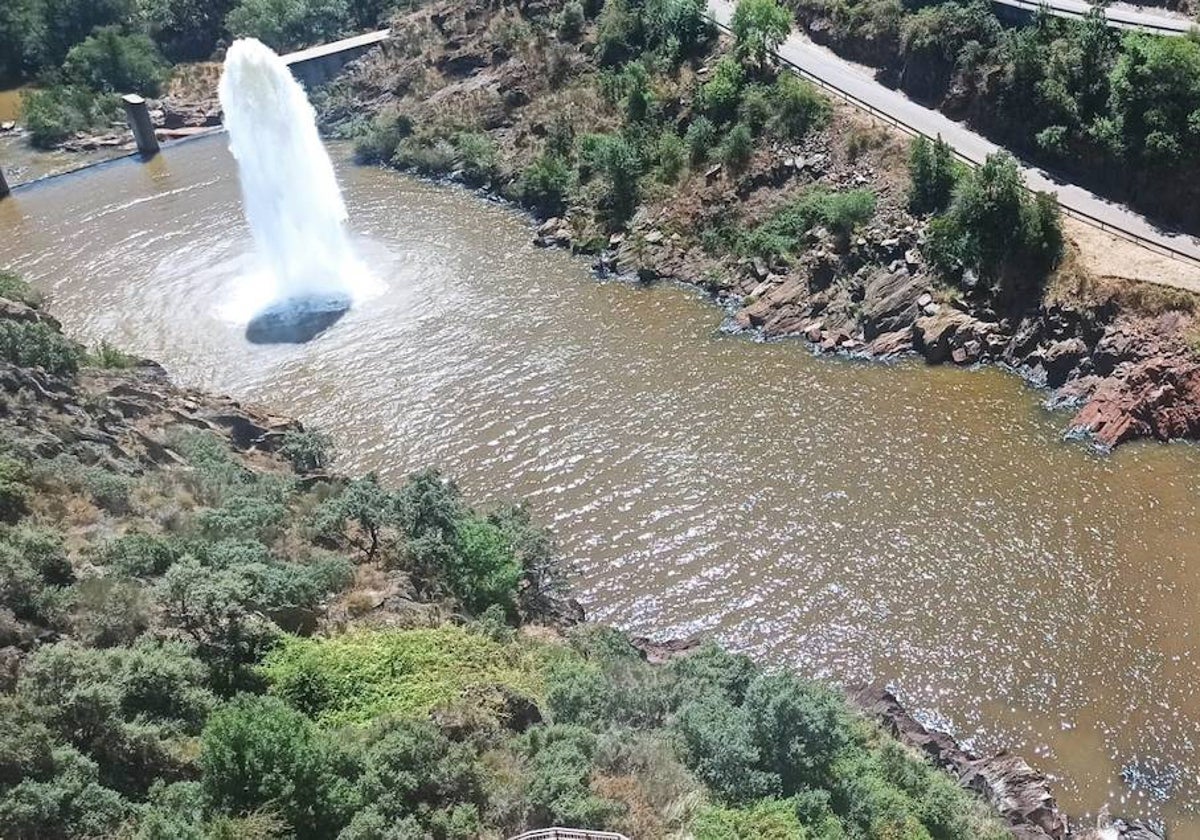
(108, 490)
(286, 25)
(619, 30)
(308, 450)
(109, 60)
(110, 358)
(671, 154)
(933, 172)
(413, 772)
(768, 819)
(701, 137)
(69, 803)
(257, 753)
(54, 26)
(14, 288)
(477, 158)
(359, 676)
(569, 23)
(109, 611)
(560, 766)
(378, 143)
(545, 185)
(185, 30)
(54, 114)
(798, 107)
(720, 95)
(995, 227)
(617, 161)
(755, 108)
(14, 490)
(781, 234)
(678, 28)
(760, 26)
(737, 148)
(138, 555)
(485, 570)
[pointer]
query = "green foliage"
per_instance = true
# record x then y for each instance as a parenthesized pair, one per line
(14, 288)
(478, 157)
(569, 23)
(112, 61)
(701, 137)
(768, 819)
(617, 161)
(256, 753)
(781, 234)
(52, 115)
(382, 136)
(544, 186)
(185, 30)
(486, 570)
(408, 673)
(286, 25)
(1154, 103)
(933, 172)
(619, 30)
(671, 156)
(14, 490)
(54, 26)
(309, 450)
(560, 763)
(110, 358)
(720, 95)
(995, 227)
(737, 148)
(798, 107)
(760, 26)
(68, 801)
(412, 772)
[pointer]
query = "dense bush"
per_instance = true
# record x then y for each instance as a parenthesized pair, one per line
(286, 25)
(781, 235)
(35, 344)
(54, 114)
(933, 172)
(257, 753)
(185, 30)
(545, 185)
(109, 60)
(997, 229)
(14, 288)
(760, 26)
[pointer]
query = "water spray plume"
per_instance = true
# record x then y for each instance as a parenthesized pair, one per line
(289, 192)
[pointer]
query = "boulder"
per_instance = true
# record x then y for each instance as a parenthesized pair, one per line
(890, 303)
(936, 336)
(1062, 357)
(1156, 397)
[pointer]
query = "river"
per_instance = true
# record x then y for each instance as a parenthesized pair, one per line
(926, 527)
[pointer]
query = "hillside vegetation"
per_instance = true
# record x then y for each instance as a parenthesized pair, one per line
(1117, 110)
(205, 634)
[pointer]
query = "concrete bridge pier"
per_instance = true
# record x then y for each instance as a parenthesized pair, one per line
(137, 113)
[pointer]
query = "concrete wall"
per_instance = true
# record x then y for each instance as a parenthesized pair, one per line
(319, 65)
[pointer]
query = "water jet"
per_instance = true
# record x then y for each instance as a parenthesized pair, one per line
(290, 197)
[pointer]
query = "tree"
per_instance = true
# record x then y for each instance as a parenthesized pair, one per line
(933, 174)
(186, 30)
(257, 753)
(289, 24)
(109, 60)
(58, 25)
(1155, 99)
(760, 26)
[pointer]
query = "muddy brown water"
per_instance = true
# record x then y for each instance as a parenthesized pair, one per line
(927, 527)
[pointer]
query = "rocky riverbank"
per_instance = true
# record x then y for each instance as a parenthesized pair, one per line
(1018, 792)
(1117, 353)
(119, 418)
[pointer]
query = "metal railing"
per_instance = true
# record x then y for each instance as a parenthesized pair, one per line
(1170, 26)
(558, 833)
(913, 131)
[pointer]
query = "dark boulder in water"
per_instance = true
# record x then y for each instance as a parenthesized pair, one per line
(296, 320)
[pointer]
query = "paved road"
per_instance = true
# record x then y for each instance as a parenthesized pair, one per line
(822, 64)
(1122, 16)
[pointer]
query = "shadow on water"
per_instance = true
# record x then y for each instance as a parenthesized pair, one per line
(297, 320)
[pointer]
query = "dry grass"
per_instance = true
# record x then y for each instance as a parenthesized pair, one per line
(1076, 281)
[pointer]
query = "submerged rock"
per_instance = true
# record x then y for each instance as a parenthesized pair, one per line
(296, 320)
